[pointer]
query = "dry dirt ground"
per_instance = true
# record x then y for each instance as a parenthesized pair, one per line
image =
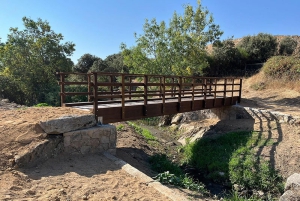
(94, 177)
(91, 177)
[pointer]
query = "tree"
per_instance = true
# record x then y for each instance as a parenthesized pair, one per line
(227, 59)
(178, 48)
(98, 66)
(30, 58)
(260, 47)
(85, 62)
(287, 46)
(116, 61)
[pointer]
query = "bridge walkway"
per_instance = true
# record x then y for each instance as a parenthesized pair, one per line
(115, 97)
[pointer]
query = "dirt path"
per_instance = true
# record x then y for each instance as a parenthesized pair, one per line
(89, 177)
(95, 178)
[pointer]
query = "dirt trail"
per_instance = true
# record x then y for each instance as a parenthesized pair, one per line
(95, 178)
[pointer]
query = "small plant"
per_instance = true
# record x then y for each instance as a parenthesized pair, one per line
(144, 132)
(183, 181)
(151, 121)
(161, 163)
(42, 105)
(120, 127)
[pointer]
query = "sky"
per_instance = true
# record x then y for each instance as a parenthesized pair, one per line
(98, 27)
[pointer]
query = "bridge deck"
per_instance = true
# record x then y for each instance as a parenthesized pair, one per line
(133, 98)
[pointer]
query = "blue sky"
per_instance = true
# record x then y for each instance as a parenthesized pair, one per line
(99, 27)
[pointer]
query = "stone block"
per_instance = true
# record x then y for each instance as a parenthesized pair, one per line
(68, 123)
(85, 149)
(104, 139)
(67, 141)
(76, 136)
(97, 139)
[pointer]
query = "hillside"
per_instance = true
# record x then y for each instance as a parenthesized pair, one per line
(279, 39)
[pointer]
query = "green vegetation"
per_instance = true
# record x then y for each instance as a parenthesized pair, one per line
(227, 59)
(178, 48)
(232, 158)
(259, 47)
(144, 132)
(160, 163)
(29, 60)
(41, 105)
(120, 127)
(150, 121)
(183, 181)
(171, 173)
(286, 67)
(91, 63)
(287, 46)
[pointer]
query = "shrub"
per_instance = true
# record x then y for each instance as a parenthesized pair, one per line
(287, 67)
(287, 46)
(259, 47)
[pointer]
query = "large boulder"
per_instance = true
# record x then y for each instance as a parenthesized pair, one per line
(68, 123)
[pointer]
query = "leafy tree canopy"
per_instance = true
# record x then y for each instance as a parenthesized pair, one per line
(177, 48)
(30, 57)
(260, 47)
(116, 61)
(287, 46)
(227, 59)
(85, 62)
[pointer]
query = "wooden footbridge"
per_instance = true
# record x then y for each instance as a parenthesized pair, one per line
(115, 97)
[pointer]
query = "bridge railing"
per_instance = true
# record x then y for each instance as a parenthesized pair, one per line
(99, 88)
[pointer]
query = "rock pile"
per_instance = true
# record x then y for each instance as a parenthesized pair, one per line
(6, 105)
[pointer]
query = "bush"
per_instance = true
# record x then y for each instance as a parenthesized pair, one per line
(259, 47)
(287, 46)
(287, 67)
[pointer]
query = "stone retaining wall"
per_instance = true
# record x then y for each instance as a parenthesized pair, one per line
(92, 140)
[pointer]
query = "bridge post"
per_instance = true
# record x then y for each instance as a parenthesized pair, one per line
(163, 94)
(89, 87)
(145, 94)
(205, 89)
(232, 88)
(123, 96)
(62, 89)
(240, 91)
(95, 96)
(111, 87)
(224, 93)
(179, 93)
(193, 93)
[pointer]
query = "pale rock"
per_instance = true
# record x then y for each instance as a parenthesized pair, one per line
(68, 123)
(177, 118)
(293, 182)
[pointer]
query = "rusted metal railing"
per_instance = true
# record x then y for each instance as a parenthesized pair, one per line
(137, 93)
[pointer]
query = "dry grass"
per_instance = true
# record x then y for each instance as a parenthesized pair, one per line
(260, 82)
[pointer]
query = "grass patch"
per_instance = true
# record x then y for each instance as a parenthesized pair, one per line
(144, 132)
(120, 127)
(42, 105)
(279, 67)
(231, 159)
(150, 121)
(171, 173)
